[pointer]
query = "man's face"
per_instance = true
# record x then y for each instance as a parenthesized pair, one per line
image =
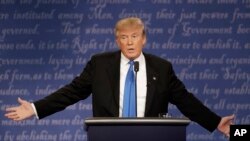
(131, 41)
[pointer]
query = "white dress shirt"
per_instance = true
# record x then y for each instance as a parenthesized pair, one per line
(141, 84)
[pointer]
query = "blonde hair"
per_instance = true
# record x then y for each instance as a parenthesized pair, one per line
(130, 22)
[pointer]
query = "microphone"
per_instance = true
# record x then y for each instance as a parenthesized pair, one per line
(136, 66)
(136, 69)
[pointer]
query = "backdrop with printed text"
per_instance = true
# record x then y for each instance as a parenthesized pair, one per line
(44, 44)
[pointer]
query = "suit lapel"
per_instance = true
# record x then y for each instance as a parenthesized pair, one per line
(152, 78)
(113, 71)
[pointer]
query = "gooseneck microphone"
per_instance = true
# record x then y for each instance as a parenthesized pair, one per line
(136, 69)
(136, 66)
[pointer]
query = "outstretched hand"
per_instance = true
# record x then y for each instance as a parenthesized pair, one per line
(21, 112)
(224, 125)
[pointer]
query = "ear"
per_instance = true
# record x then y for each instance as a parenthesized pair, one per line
(117, 42)
(144, 41)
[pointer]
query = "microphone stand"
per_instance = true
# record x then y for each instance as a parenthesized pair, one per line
(136, 69)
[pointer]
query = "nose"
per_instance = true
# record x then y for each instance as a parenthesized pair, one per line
(130, 41)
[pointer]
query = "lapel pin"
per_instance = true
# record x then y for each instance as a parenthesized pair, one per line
(154, 78)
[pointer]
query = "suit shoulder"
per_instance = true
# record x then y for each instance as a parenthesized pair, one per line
(105, 55)
(156, 59)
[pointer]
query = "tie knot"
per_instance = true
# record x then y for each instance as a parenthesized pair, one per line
(131, 62)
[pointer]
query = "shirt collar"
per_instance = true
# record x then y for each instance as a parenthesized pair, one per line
(125, 60)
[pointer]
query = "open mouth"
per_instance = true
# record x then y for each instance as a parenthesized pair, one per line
(131, 50)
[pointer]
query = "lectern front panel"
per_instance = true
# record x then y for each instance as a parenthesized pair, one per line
(137, 129)
(136, 133)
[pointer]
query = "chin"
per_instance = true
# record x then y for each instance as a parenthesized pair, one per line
(131, 56)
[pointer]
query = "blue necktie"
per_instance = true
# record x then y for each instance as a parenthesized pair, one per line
(129, 93)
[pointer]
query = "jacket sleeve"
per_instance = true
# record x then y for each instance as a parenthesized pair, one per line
(80, 88)
(190, 106)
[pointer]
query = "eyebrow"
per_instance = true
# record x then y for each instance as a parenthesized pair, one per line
(131, 34)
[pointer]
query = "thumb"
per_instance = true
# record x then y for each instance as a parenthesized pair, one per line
(231, 116)
(21, 101)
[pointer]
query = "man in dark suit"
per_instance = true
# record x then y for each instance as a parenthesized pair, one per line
(104, 78)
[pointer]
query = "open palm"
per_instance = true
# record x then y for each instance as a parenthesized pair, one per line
(21, 112)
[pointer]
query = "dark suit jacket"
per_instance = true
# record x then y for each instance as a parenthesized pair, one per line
(101, 78)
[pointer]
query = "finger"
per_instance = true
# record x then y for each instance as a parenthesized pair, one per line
(232, 116)
(231, 123)
(17, 118)
(229, 119)
(228, 130)
(11, 109)
(11, 114)
(228, 134)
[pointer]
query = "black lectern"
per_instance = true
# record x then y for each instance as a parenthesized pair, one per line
(136, 129)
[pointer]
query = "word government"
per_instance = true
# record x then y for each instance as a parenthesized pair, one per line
(188, 30)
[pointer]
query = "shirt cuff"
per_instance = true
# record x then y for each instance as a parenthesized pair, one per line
(34, 109)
